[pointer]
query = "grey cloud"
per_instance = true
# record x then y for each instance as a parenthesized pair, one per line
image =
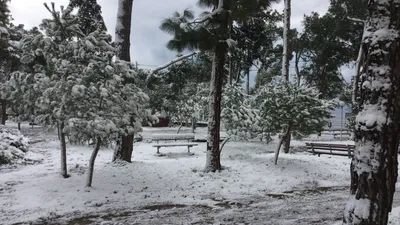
(147, 40)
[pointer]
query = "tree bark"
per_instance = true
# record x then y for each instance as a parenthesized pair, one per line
(124, 147)
(91, 163)
(286, 29)
(213, 162)
(278, 148)
(63, 145)
(248, 81)
(123, 29)
(374, 166)
(193, 124)
(3, 112)
(297, 60)
(287, 139)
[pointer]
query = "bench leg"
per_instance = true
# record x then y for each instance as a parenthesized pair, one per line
(158, 150)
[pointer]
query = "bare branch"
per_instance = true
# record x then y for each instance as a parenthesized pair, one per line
(173, 62)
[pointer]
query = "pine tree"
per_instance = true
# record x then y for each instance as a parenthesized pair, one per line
(288, 105)
(58, 74)
(211, 32)
(5, 64)
(5, 16)
(89, 15)
(105, 96)
(374, 167)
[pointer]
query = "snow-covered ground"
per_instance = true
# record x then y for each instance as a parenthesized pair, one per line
(301, 189)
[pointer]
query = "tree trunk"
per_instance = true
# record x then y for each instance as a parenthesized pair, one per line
(123, 29)
(63, 145)
(297, 60)
(3, 112)
(286, 141)
(359, 62)
(124, 148)
(248, 81)
(278, 148)
(286, 29)
(91, 163)
(193, 124)
(213, 162)
(374, 166)
(19, 126)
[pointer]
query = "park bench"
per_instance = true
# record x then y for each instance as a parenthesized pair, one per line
(331, 149)
(172, 137)
(188, 145)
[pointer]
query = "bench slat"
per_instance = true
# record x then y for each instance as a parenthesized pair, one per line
(175, 144)
(333, 149)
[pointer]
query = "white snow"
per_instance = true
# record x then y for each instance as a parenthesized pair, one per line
(39, 191)
(34, 191)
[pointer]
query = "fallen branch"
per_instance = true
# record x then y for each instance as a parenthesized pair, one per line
(172, 62)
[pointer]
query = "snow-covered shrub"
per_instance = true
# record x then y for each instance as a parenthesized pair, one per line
(241, 117)
(296, 106)
(13, 145)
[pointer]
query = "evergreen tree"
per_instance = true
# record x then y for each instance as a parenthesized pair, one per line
(211, 32)
(5, 17)
(58, 74)
(89, 15)
(298, 107)
(5, 62)
(241, 116)
(107, 103)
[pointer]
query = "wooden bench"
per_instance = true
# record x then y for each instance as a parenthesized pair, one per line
(172, 137)
(188, 145)
(331, 149)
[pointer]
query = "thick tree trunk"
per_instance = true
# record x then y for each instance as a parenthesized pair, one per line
(213, 162)
(214, 119)
(3, 112)
(63, 145)
(91, 163)
(123, 29)
(374, 167)
(124, 149)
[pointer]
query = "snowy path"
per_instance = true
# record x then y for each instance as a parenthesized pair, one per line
(322, 207)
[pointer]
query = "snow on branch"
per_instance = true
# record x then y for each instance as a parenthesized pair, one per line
(356, 20)
(209, 16)
(172, 62)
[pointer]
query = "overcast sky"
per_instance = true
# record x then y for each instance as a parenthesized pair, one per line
(147, 41)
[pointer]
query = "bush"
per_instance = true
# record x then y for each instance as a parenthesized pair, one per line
(13, 145)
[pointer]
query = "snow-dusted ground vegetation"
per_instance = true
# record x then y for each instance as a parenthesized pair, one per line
(301, 189)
